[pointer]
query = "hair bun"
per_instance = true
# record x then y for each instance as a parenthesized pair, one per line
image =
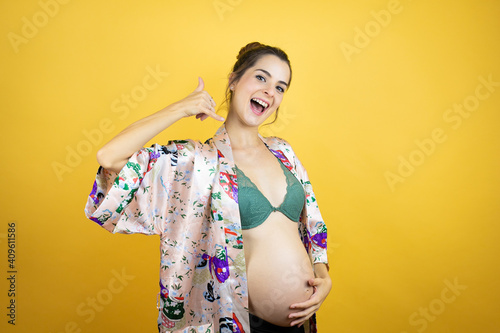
(248, 47)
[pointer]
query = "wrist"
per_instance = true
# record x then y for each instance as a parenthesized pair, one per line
(172, 111)
(321, 271)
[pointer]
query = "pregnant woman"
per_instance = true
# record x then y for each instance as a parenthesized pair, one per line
(243, 244)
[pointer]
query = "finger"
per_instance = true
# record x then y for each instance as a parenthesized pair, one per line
(301, 321)
(312, 301)
(206, 102)
(200, 86)
(211, 113)
(209, 99)
(315, 282)
(202, 116)
(304, 313)
(297, 322)
(207, 106)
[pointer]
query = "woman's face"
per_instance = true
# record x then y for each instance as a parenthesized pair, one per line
(259, 92)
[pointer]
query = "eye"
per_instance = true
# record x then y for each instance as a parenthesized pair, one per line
(280, 89)
(260, 78)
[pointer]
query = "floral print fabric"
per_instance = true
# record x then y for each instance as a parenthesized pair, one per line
(186, 192)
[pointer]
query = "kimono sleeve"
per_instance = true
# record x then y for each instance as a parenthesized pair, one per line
(316, 227)
(133, 200)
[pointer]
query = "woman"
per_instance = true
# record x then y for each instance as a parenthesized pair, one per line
(243, 245)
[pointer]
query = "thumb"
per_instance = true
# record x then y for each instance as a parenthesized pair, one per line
(314, 282)
(200, 86)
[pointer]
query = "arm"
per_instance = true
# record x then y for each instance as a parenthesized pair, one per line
(322, 285)
(318, 251)
(115, 154)
(321, 271)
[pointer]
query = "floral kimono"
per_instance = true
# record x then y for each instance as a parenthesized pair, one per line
(186, 192)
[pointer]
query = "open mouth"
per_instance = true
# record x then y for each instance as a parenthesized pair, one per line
(258, 106)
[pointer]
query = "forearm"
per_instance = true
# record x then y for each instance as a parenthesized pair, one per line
(115, 154)
(321, 271)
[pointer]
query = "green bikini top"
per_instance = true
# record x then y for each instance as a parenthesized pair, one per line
(254, 206)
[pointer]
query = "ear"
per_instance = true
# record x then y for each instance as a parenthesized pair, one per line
(231, 78)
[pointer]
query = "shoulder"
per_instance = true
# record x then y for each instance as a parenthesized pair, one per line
(178, 152)
(278, 143)
(184, 147)
(285, 148)
(281, 145)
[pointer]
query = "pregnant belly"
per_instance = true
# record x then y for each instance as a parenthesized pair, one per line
(278, 269)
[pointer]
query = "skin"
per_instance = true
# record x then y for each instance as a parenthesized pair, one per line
(322, 285)
(266, 80)
(248, 150)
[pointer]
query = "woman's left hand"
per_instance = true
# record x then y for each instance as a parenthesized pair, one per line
(322, 286)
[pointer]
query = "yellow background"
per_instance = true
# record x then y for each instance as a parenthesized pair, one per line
(351, 117)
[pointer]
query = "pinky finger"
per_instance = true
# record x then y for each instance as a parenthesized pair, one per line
(201, 116)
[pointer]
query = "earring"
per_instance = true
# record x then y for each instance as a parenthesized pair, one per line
(231, 87)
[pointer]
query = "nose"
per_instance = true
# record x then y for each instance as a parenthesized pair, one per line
(268, 90)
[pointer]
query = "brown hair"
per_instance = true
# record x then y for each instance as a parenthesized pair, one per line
(246, 58)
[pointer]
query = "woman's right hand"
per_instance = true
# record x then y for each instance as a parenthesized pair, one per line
(115, 154)
(199, 103)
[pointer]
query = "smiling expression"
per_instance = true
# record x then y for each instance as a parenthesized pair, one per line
(259, 92)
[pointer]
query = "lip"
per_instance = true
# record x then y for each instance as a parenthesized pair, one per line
(261, 99)
(257, 112)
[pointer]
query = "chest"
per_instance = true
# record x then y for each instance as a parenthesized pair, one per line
(265, 172)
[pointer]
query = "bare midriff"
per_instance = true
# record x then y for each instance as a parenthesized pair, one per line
(278, 269)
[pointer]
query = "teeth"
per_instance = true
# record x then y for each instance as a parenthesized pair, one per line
(264, 104)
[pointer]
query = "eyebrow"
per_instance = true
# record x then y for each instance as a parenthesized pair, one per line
(269, 74)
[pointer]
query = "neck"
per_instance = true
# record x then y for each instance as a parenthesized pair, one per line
(241, 136)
